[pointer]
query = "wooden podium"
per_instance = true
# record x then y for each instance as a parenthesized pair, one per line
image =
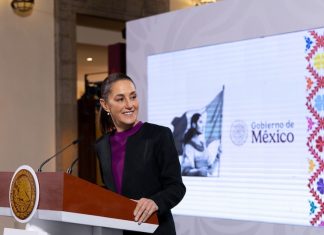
(66, 202)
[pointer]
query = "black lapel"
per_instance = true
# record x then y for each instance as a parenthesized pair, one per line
(104, 153)
(134, 155)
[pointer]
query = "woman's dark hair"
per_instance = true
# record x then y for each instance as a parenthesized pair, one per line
(193, 129)
(106, 123)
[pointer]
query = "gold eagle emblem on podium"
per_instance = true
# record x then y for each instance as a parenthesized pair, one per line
(23, 195)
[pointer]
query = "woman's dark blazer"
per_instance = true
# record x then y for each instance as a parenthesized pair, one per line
(151, 170)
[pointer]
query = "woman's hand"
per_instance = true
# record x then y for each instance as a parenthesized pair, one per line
(144, 209)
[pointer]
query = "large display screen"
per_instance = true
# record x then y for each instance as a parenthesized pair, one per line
(247, 119)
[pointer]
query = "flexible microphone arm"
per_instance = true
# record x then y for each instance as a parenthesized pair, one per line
(69, 170)
(62, 150)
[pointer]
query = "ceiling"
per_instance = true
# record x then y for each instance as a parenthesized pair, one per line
(99, 55)
(94, 34)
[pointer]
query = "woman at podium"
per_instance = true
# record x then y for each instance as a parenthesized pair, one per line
(137, 159)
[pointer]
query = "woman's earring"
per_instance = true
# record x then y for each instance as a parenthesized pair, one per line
(108, 113)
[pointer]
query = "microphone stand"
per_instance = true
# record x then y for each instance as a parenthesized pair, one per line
(69, 170)
(62, 150)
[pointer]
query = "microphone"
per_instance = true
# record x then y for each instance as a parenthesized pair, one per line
(69, 170)
(57, 153)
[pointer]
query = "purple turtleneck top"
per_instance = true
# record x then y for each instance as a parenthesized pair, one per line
(118, 150)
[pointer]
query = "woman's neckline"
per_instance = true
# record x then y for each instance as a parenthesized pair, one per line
(130, 130)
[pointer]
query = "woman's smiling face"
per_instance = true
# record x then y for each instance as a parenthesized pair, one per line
(122, 104)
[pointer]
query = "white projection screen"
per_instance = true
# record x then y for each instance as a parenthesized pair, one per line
(263, 84)
(257, 152)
